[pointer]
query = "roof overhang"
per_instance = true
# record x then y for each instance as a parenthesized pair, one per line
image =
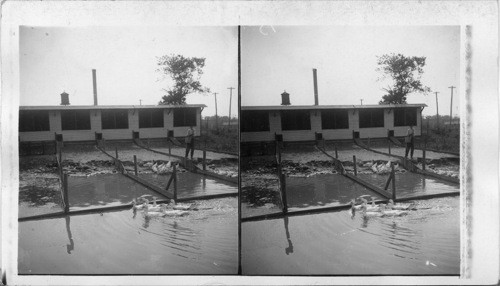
(319, 107)
(103, 107)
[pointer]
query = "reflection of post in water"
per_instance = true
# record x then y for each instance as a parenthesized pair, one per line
(423, 182)
(204, 182)
(364, 222)
(319, 192)
(71, 245)
(146, 221)
(289, 249)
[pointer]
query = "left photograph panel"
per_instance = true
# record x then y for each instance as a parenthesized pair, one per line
(128, 150)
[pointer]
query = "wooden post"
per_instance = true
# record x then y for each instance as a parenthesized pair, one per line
(204, 160)
(116, 152)
(336, 153)
(169, 148)
(355, 167)
(65, 193)
(389, 146)
(60, 155)
(369, 142)
(175, 182)
(426, 134)
(283, 193)
(423, 162)
(278, 149)
(393, 183)
(135, 165)
(388, 181)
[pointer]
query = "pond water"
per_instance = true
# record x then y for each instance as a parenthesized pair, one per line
(410, 184)
(119, 242)
(331, 190)
(41, 197)
(192, 185)
(103, 191)
(424, 242)
(323, 191)
(116, 189)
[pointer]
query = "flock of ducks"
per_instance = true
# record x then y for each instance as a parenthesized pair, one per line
(171, 209)
(162, 168)
(382, 168)
(381, 210)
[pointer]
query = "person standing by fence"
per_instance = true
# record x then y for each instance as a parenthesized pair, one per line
(190, 142)
(410, 142)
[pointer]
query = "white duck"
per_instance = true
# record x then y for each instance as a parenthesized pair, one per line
(366, 213)
(391, 205)
(175, 213)
(384, 168)
(392, 212)
(137, 206)
(154, 207)
(370, 208)
(184, 207)
(354, 206)
(154, 167)
(149, 213)
(165, 168)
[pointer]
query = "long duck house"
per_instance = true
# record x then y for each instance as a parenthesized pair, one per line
(70, 123)
(330, 122)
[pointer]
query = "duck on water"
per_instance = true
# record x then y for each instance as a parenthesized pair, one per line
(381, 210)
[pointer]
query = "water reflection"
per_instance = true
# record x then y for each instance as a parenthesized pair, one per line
(288, 249)
(410, 184)
(360, 245)
(319, 192)
(101, 190)
(71, 246)
(191, 185)
(323, 190)
(147, 219)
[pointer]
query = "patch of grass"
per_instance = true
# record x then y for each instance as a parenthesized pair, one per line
(222, 140)
(443, 139)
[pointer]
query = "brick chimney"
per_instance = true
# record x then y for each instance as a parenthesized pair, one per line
(285, 98)
(64, 98)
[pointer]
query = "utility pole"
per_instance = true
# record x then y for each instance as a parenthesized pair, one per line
(230, 96)
(361, 101)
(451, 104)
(437, 109)
(216, 118)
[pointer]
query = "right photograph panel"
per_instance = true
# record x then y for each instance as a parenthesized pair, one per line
(350, 150)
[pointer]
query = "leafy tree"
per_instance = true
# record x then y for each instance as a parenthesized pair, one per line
(405, 73)
(185, 72)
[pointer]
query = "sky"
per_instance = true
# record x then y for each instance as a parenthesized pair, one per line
(279, 58)
(57, 59)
